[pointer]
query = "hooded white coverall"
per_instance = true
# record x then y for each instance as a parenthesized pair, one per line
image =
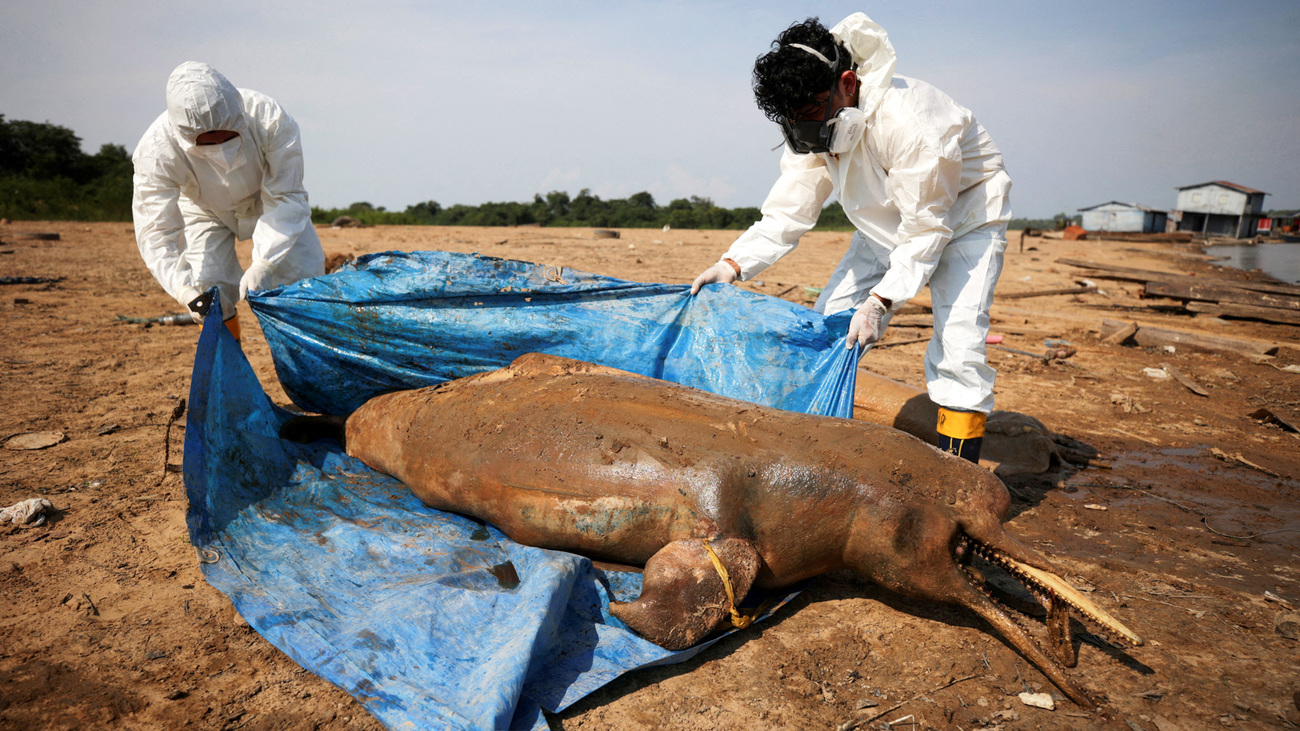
(191, 202)
(926, 189)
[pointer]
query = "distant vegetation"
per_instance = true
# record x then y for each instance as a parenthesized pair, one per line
(558, 209)
(44, 175)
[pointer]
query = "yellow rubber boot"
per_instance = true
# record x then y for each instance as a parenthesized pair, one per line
(961, 433)
(232, 324)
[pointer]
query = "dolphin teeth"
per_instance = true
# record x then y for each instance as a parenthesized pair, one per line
(1036, 580)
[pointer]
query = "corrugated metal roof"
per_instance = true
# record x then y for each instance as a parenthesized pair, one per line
(1138, 206)
(1225, 184)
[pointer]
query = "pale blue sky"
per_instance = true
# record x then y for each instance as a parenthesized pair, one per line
(401, 102)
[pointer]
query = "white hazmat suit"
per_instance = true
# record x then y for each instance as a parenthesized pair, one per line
(927, 192)
(192, 202)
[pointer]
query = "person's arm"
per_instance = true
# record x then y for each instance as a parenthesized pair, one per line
(923, 182)
(790, 211)
(285, 210)
(159, 226)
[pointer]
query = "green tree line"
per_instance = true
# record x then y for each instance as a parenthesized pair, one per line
(44, 175)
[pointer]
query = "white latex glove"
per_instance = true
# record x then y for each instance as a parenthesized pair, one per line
(720, 272)
(258, 277)
(187, 296)
(865, 328)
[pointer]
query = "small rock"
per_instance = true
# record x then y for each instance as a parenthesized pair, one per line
(1094, 506)
(1157, 373)
(1288, 625)
(1038, 700)
(866, 703)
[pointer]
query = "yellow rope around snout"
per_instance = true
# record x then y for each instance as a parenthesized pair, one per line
(738, 620)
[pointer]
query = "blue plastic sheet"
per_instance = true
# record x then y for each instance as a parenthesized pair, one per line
(430, 619)
(407, 320)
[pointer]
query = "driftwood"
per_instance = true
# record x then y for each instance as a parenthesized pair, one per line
(1120, 335)
(1045, 292)
(1183, 379)
(1129, 274)
(1155, 337)
(1268, 314)
(1217, 293)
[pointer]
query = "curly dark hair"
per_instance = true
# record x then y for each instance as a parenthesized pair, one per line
(788, 79)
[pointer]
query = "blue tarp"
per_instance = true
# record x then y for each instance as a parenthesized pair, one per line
(430, 619)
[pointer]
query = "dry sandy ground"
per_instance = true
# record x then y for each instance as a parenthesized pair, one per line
(105, 620)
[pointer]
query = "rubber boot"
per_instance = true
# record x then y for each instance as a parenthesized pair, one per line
(232, 324)
(961, 432)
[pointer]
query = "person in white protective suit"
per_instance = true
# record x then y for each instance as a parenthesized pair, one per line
(921, 181)
(222, 164)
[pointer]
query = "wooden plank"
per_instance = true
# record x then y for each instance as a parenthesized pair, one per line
(1142, 275)
(1155, 337)
(1215, 293)
(1268, 314)
(1119, 334)
(1045, 292)
(1185, 380)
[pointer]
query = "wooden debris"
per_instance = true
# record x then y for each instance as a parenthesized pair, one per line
(1183, 379)
(1120, 334)
(1250, 312)
(1222, 455)
(1218, 293)
(1046, 292)
(1264, 416)
(1130, 274)
(909, 341)
(1148, 336)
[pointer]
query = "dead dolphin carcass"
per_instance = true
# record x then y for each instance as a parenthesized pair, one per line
(712, 495)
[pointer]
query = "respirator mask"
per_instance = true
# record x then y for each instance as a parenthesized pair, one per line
(835, 134)
(224, 156)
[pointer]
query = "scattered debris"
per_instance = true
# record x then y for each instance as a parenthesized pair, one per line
(1074, 233)
(1264, 416)
(1271, 597)
(1085, 289)
(1038, 700)
(29, 280)
(1157, 337)
(1124, 332)
(27, 512)
(1126, 402)
(1288, 625)
(1051, 354)
(35, 440)
(1185, 380)
(1220, 454)
(185, 319)
(177, 412)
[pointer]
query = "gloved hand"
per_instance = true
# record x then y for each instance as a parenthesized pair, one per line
(720, 272)
(187, 296)
(257, 277)
(865, 328)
